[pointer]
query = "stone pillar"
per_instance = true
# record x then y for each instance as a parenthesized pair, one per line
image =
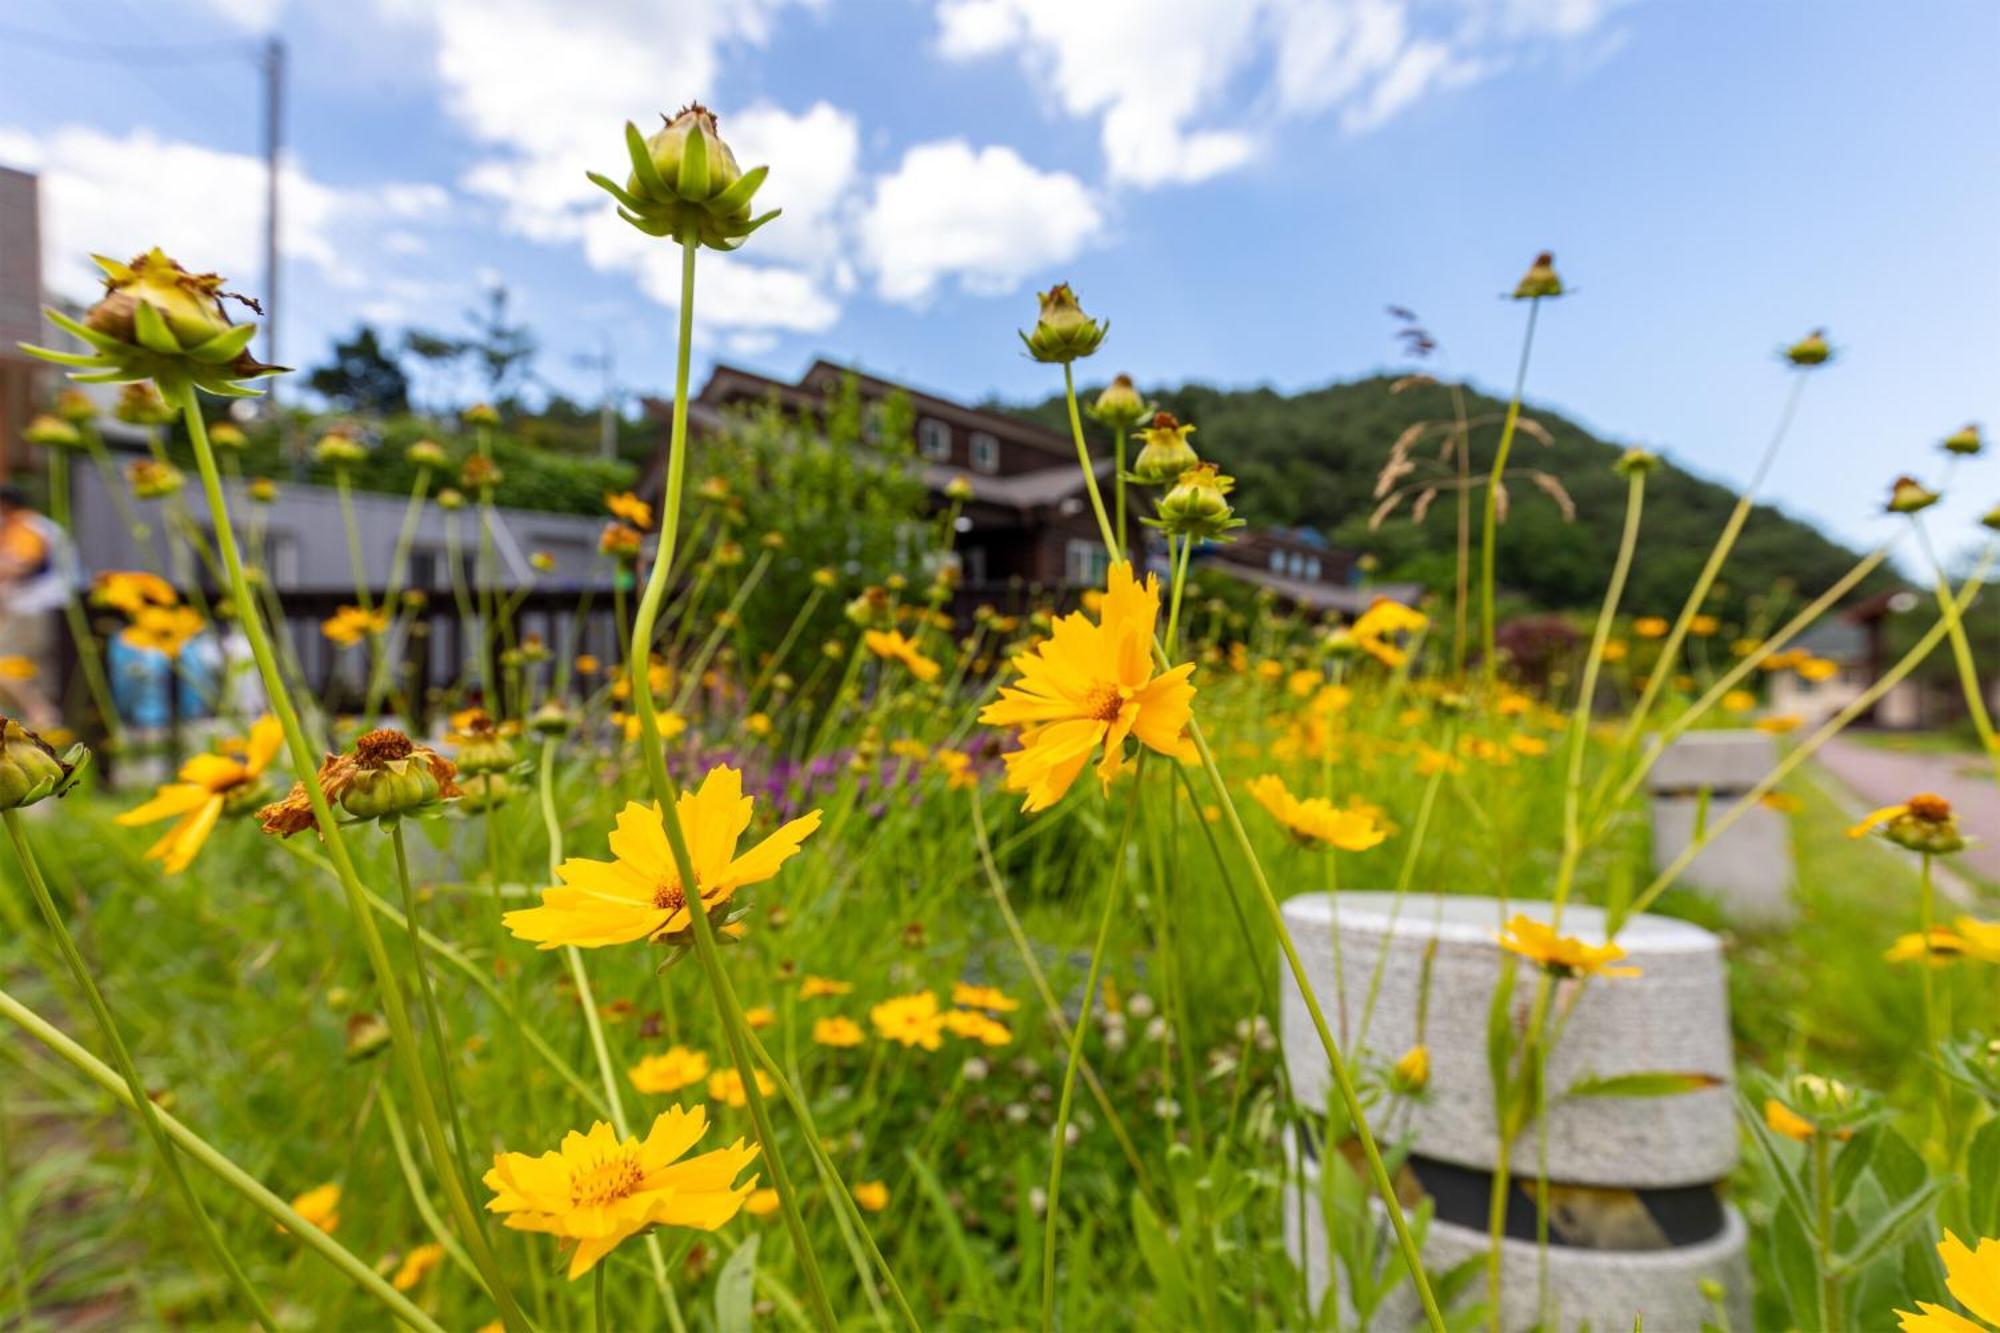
(1636, 1221)
(1748, 868)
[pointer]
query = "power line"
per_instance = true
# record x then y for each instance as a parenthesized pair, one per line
(186, 53)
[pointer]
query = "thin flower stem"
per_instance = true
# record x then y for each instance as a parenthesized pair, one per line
(1112, 545)
(413, 1180)
(1052, 1215)
(1934, 1029)
(357, 564)
(232, 1175)
(140, 1102)
(601, 1321)
(399, 560)
(1489, 531)
(408, 1051)
(1833, 1306)
(87, 654)
(427, 997)
(691, 678)
(784, 648)
(1961, 650)
(667, 797)
(1118, 480)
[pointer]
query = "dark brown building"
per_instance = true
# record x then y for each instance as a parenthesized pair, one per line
(20, 311)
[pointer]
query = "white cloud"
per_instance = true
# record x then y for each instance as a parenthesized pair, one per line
(984, 217)
(1181, 88)
(118, 195)
(252, 15)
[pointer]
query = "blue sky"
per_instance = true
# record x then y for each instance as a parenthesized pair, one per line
(1241, 186)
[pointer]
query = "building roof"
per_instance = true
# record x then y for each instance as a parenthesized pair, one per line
(1023, 490)
(1343, 598)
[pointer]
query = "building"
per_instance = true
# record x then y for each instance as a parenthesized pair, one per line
(20, 311)
(1028, 525)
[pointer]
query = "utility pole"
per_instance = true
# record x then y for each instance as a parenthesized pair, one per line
(274, 139)
(607, 411)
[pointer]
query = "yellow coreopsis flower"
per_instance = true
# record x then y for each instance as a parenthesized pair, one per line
(596, 1191)
(812, 988)
(1411, 1073)
(911, 1020)
(1924, 823)
(669, 724)
(630, 508)
(872, 1195)
(726, 1086)
(1650, 627)
(957, 768)
(681, 1067)
(762, 1202)
(890, 645)
(1090, 684)
(1779, 724)
(1374, 630)
(639, 895)
(1940, 946)
(1782, 1119)
(320, 1206)
(207, 785)
(1973, 1276)
(131, 591)
(18, 668)
(967, 996)
(1317, 821)
(349, 625)
(837, 1032)
(416, 1266)
(1982, 938)
(1562, 955)
(162, 629)
(975, 1026)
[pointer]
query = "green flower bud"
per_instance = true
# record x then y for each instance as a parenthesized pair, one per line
(450, 498)
(74, 405)
(264, 491)
(685, 184)
(1909, 496)
(153, 480)
(1991, 518)
(226, 435)
(481, 747)
(1063, 333)
(481, 414)
(427, 453)
(1634, 462)
(1811, 350)
(1165, 454)
(140, 404)
(29, 769)
(958, 490)
(1119, 407)
(871, 607)
(1965, 441)
(52, 432)
(485, 791)
(551, 720)
(1540, 281)
(339, 449)
(391, 775)
(1198, 504)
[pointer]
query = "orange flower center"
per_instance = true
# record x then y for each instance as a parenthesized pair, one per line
(668, 896)
(605, 1181)
(1103, 702)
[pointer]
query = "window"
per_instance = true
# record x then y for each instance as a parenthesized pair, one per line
(1312, 568)
(934, 440)
(1277, 562)
(985, 452)
(1084, 563)
(972, 565)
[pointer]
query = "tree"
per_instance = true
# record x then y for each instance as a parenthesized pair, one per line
(362, 377)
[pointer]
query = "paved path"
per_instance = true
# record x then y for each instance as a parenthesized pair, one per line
(1882, 777)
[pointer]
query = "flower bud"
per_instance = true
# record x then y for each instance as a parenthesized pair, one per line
(685, 184)
(1063, 333)
(1965, 441)
(140, 404)
(620, 542)
(264, 491)
(481, 414)
(228, 435)
(392, 775)
(450, 499)
(29, 769)
(1811, 350)
(1636, 462)
(1411, 1073)
(338, 449)
(74, 405)
(52, 432)
(871, 607)
(484, 791)
(1165, 454)
(478, 473)
(427, 453)
(1991, 519)
(958, 490)
(551, 720)
(1910, 496)
(153, 480)
(1119, 407)
(1198, 505)
(1540, 280)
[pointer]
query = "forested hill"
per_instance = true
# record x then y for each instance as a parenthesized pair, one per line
(1311, 459)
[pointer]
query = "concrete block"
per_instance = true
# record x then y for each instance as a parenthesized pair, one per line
(1724, 762)
(1748, 868)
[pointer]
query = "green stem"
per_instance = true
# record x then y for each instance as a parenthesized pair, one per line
(1961, 650)
(667, 796)
(218, 1165)
(141, 1102)
(408, 1051)
(1052, 1217)
(601, 1321)
(1489, 531)
(88, 656)
(1112, 546)
(1833, 1310)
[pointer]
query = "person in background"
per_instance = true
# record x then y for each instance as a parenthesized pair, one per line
(34, 583)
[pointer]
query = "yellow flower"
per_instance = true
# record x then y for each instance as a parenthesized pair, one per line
(417, 1265)
(758, 724)
(912, 1020)
(1817, 669)
(679, 1068)
(1562, 955)
(640, 895)
(1432, 760)
(596, 1191)
(351, 624)
(1982, 938)
(837, 1032)
(1650, 627)
(587, 664)
(131, 591)
(761, 1203)
(17, 668)
(1317, 820)
(1412, 1071)
(726, 1086)
(1941, 946)
(1532, 746)
(1782, 801)
(890, 645)
(162, 629)
(968, 996)
(1703, 627)
(872, 1195)
(957, 768)
(1973, 1276)
(1303, 682)
(208, 784)
(669, 723)
(1371, 631)
(1924, 823)
(1779, 724)
(761, 1016)
(1738, 701)
(630, 508)
(975, 1026)
(1782, 1119)
(812, 988)
(319, 1206)
(1088, 685)
(1615, 650)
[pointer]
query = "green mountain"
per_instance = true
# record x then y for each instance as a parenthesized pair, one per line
(1312, 459)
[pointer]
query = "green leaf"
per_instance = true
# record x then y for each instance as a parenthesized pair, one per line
(1798, 1268)
(1982, 1175)
(734, 1287)
(1855, 1155)
(616, 191)
(1889, 1226)
(1500, 1029)
(739, 194)
(643, 170)
(1767, 1144)
(693, 182)
(975, 1272)
(224, 347)
(1898, 1166)
(1645, 1083)
(154, 335)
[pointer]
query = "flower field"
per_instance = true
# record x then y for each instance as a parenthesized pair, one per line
(963, 973)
